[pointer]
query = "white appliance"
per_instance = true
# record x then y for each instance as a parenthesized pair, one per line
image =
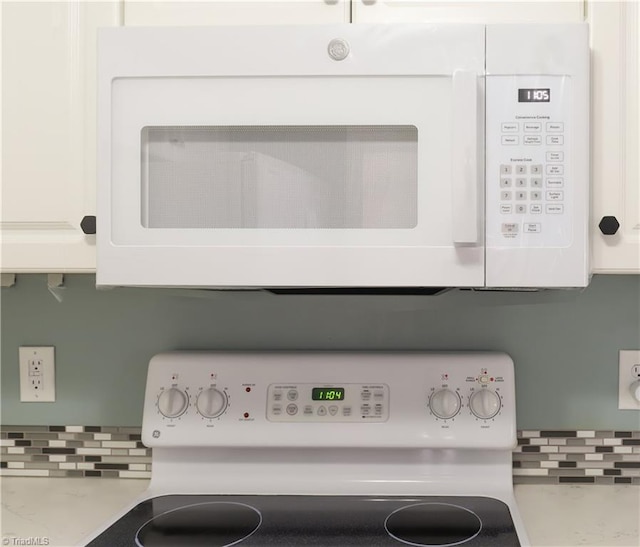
(344, 156)
(323, 448)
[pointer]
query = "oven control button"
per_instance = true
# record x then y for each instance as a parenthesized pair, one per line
(172, 402)
(485, 404)
(333, 410)
(444, 403)
(211, 402)
(292, 395)
(292, 409)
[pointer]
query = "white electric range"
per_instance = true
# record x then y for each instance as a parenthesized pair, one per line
(326, 449)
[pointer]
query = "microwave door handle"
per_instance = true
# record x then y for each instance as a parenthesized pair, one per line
(464, 167)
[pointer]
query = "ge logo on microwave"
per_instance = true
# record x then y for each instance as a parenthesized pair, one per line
(338, 49)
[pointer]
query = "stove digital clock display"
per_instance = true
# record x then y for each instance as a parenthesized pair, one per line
(534, 95)
(327, 394)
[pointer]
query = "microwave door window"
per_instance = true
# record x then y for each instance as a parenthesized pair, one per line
(280, 177)
(276, 194)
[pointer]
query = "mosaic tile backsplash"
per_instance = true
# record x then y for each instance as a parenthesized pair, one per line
(541, 457)
(73, 451)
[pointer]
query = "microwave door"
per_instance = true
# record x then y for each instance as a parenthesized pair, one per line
(248, 191)
(276, 194)
(267, 165)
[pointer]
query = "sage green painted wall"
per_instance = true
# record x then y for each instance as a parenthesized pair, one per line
(564, 343)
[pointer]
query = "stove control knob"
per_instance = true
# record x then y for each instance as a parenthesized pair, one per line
(485, 404)
(444, 403)
(211, 402)
(172, 402)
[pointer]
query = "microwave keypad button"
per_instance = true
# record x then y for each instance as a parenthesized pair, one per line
(532, 140)
(532, 127)
(521, 196)
(505, 209)
(555, 139)
(292, 409)
(555, 156)
(555, 127)
(510, 227)
(555, 195)
(536, 182)
(322, 410)
(521, 183)
(292, 395)
(555, 169)
(506, 195)
(521, 169)
(536, 209)
(555, 183)
(536, 169)
(532, 227)
(521, 209)
(333, 410)
(536, 196)
(505, 169)
(555, 209)
(510, 140)
(505, 183)
(510, 127)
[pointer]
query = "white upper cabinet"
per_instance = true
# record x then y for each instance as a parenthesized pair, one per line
(49, 133)
(615, 43)
(505, 11)
(235, 12)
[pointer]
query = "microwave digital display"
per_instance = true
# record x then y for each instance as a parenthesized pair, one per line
(534, 95)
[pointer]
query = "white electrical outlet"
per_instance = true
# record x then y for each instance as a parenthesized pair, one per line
(629, 380)
(37, 374)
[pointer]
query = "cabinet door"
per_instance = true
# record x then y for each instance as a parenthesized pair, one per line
(615, 223)
(49, 133)
(235, 12)
(505, 11)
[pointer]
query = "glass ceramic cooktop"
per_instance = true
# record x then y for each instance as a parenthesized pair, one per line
(328, 521)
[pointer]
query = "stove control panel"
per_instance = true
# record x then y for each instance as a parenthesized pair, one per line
(355, 399)
(478, 396)
(328, 402)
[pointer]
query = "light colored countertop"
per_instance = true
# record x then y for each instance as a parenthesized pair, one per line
(64, 511)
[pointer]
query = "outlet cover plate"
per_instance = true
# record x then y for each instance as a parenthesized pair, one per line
(37, 374)
(629, 372)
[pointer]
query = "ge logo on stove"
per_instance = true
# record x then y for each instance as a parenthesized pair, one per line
(155, 434)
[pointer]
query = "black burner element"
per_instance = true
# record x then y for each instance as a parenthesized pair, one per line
(213, 524)
(433, 524)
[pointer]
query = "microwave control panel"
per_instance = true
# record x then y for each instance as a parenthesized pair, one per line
(295, 399)
(528, 164)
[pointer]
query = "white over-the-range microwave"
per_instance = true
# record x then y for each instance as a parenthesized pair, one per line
(412, 155)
